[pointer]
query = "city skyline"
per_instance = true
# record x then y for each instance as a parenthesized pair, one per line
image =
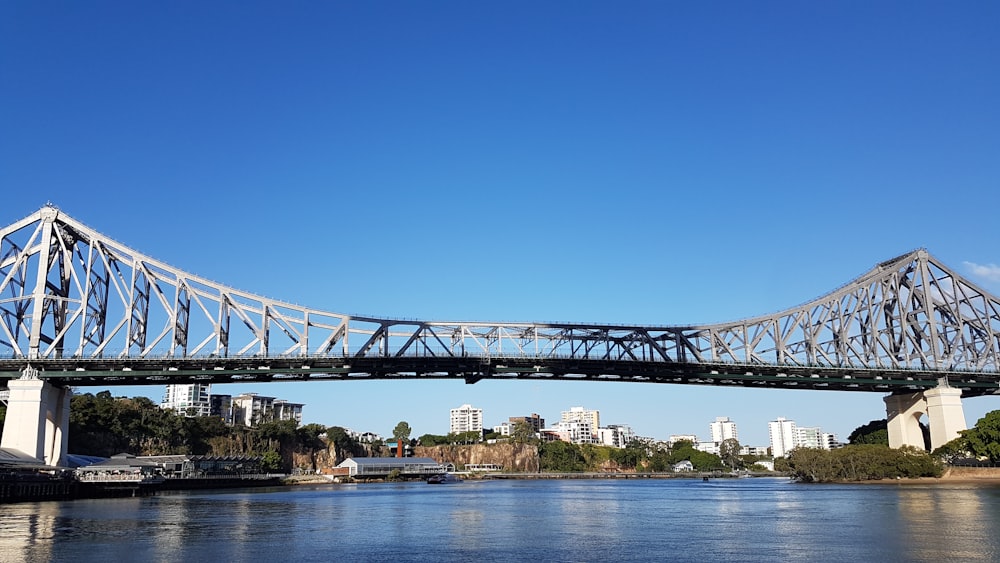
(642, 164)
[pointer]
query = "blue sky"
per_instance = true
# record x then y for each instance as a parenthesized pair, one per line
(638, 162)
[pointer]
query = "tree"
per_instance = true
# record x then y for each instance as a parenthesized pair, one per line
(402, 435)
(401, 432)
(561, 456)
(271, 461)
(522, 433)
(875, 432)
(983, 439)
(729, 451)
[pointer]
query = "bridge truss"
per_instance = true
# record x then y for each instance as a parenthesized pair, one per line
(83, 309)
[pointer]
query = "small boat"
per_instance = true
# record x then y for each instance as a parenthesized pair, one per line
(443, 479)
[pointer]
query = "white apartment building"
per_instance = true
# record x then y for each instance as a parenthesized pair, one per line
(723, 429)
(808, 437)
(782, 435)
(708, 447)
(785, 436)
(190, 399)
(466, 418)
(592, 419)
(502, 429)
(615, 435)
(674, 438)
(574, 431)
(251, 409)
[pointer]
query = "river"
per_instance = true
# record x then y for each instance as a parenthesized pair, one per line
(760, 519)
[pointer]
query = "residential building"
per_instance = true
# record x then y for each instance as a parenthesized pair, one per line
(593, 418)
(189, 399)
(502, 429)
(753, 450)
(221, 406)
(615, 435)
(536, 422)
(466, 418)
(830, 442)
(782, 435)
(575, 431)
(808, 437)
(674, 438)
(723, 429)
(708, 447)
(251, 409)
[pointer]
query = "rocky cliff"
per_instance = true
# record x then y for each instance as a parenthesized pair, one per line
(513, 457)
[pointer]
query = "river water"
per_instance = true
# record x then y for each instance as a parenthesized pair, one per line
(762, 519)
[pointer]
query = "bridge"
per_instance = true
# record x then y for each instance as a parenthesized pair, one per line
(78, 308)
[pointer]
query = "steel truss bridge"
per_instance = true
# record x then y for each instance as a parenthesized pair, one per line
(78, 308)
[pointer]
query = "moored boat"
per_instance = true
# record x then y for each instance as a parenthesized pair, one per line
(443, 479)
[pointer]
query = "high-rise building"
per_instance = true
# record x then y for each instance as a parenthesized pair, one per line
(581, 414)
(189, 399)
(783, 436)
(723, 429)
(808, 437)
(466, 419)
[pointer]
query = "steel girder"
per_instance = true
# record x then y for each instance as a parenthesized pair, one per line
(67, 291)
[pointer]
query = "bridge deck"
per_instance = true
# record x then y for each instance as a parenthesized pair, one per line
(96, 372)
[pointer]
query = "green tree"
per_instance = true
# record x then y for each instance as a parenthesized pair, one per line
(433, 440)
(271, 461)
(522, 433)
(983, 439)
(729, 452)
(875, 432)
(401, 432)
(342, 441)
(561, 456)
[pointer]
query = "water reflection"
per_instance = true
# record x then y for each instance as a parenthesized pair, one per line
(946, 522)
(26, 531)
(647, 520)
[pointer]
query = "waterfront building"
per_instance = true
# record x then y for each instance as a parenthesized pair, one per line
(723, 429)
(381, 467)
(189, 399)
(466, 418)
(782, 436)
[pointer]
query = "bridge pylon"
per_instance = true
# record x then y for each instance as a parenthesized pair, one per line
(943, 408)
(37, 420)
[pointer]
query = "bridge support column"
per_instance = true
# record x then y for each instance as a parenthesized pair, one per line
(37, 421)
(945, 417)
(903, 414)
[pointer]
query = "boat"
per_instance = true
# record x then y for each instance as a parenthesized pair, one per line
(443, 479)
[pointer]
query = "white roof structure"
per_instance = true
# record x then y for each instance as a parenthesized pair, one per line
(382, 466)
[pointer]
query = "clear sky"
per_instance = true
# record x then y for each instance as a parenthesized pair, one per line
(618, 162)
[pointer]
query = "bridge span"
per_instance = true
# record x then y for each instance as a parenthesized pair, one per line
(78, 308)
